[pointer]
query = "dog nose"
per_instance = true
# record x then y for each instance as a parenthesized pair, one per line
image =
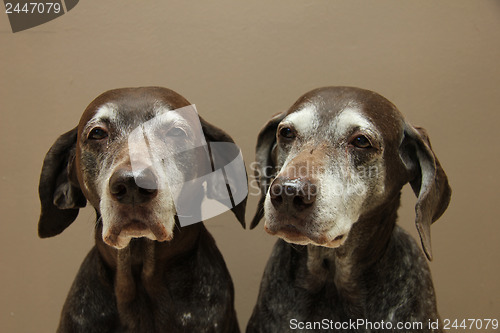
(128, 187)
(293, 193)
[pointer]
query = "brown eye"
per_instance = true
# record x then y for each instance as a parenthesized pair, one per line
(361, 141)
(287, 133)
(177, 132)
(98, 134)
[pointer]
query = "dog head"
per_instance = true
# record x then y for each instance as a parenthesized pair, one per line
(340, 154)
(131, 151)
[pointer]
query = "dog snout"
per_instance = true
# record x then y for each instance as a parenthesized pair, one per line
(293, 193)
(129, 187)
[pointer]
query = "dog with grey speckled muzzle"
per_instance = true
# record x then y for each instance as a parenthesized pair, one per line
(331, 169)
(147, 272)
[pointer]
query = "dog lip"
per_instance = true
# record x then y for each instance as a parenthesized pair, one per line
(161, 234)
(282, 229)
(294, 234)
(288, 232)
(290, 229)
(120, 235)
(135, 226)
(339, 237)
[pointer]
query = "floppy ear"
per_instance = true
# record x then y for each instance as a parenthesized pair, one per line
(60, 198)
(265, 168)
(428, 181)
(225, 156)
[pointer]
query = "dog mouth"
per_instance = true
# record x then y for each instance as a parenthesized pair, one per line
(135, 228)
(295, 235)
(120, 235)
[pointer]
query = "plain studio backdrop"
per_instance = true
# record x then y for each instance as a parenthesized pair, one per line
(240, 62)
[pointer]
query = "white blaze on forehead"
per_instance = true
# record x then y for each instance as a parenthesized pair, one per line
(160, 107)
(304, 121)
(107, 110)
(349, 118)
(165, 115)
(186, 116)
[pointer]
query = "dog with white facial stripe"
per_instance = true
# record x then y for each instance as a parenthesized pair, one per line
(331, 169)
(147, 272)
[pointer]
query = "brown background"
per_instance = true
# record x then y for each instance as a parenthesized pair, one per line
(240, 62)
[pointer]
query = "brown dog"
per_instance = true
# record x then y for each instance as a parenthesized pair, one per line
(331, 170)
(146, 273)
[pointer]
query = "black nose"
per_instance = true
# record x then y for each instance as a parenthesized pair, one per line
(128, 187)
(293, 193)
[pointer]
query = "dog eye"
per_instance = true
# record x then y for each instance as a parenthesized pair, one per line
(98, 134)
(176, 132)
(361, 141)
(287, 133)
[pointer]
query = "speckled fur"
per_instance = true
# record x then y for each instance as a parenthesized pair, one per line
(180, 284)
(379, 273)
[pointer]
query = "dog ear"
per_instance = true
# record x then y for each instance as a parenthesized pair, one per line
(224, 154)
(60, 198)
(264, 171)
(427, 179)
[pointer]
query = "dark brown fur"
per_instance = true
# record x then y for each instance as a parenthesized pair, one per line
(180, 285)
(379, 273)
